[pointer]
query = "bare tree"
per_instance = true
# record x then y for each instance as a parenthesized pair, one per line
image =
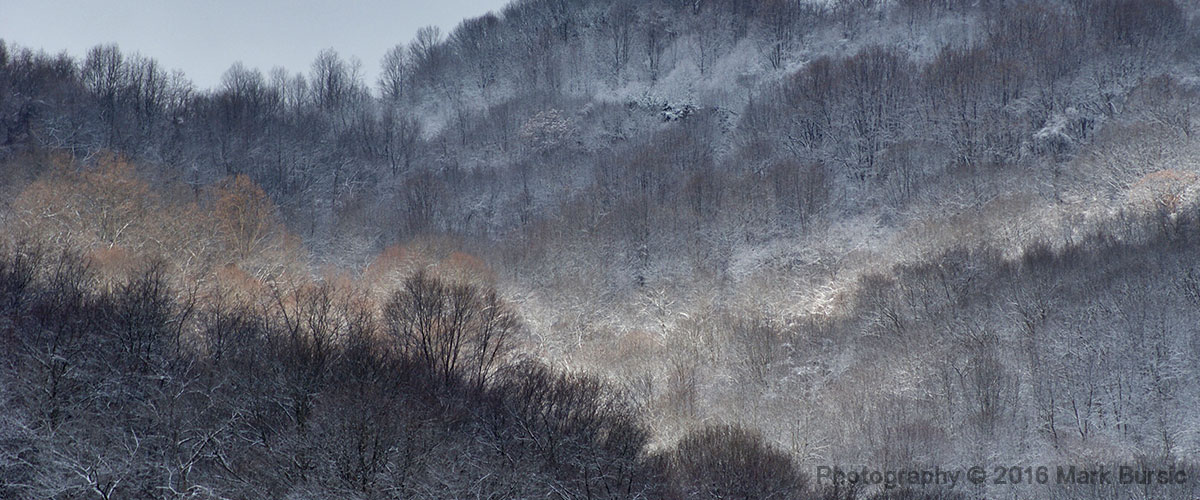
(453, 331)
(395, 70)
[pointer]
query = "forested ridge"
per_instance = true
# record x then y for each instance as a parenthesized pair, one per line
(611, 249)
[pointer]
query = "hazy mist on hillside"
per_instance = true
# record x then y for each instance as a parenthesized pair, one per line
(868, 249)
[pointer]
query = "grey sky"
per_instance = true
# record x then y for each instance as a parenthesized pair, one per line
(203, 38)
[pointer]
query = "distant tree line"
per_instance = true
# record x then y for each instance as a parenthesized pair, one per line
(444, 143)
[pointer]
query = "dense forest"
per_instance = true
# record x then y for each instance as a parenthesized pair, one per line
(612, 249)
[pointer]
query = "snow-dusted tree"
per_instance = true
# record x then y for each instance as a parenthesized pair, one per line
(335, 82)
(546, 130)
(476, 42)
(394, 73)
(618, 27)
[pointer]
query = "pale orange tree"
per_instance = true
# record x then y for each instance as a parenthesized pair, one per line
(105, 204)
(250, 232)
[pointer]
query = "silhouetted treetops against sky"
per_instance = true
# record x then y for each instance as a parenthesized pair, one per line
(578, 249)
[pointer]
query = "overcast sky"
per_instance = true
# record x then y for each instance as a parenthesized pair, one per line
(204, 37)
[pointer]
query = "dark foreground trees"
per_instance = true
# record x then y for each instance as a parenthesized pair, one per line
(135, 389)
(723, 461)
